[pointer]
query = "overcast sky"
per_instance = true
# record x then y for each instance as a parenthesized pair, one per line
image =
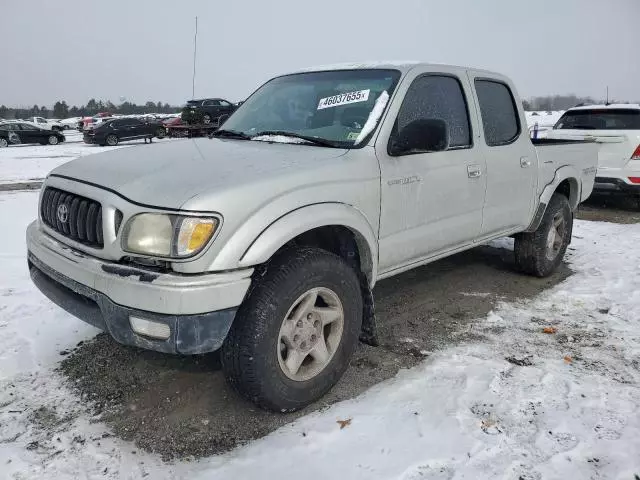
(142, 50)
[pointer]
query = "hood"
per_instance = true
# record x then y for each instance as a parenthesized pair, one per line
(170, 173)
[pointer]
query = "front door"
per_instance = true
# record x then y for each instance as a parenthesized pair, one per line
(511, 161)
(133, 128)
(431, 200)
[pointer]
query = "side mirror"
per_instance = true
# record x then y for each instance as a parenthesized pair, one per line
(423, 135)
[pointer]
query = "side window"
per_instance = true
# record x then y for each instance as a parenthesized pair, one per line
(211, 103)
(224, 103)
(498, 111)
(26, 126)
(434, 101)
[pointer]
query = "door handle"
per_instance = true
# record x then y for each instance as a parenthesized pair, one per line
(525, 162)
(474, 171)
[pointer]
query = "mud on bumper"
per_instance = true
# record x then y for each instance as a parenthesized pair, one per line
(190, 334)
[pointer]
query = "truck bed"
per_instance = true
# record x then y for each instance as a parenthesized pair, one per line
(554, 154)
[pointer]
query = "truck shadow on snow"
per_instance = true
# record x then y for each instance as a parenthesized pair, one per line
(182, 407)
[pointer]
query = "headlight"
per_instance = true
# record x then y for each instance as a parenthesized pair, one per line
(164, 235)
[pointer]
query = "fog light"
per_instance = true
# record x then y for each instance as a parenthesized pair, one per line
(149, 328)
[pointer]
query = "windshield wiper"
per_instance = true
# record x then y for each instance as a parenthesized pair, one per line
(230, 134)
(314, 140)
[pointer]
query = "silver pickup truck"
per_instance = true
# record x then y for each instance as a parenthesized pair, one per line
(266, 240)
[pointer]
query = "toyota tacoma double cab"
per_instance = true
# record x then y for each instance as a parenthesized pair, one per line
(265, 241)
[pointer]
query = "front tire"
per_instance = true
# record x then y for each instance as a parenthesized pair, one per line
(539, 253)
(3, 143)
(161, 133)
(111, 140)
(206, 118)
(296, 330)
(53, 140)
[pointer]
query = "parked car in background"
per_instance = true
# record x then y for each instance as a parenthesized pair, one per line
(207, 110)
(112, 132)
(616, 128)
(69, 123)
(87, 123)
(267, 239)
(45, 123)
(24, 132)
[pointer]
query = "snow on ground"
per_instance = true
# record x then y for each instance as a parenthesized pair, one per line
(26, 163)
(567, 406)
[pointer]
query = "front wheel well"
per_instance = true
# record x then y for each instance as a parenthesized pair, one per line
(352, 247)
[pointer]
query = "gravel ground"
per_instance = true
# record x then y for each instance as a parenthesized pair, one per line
(181, 407)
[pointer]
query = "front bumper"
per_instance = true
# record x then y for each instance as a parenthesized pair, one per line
(615, 185)
(198, 309)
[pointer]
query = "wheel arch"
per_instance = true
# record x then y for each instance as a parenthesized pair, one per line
(564, 182)
(325, 225)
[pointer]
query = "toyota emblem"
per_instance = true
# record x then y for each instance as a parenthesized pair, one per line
(63, 213)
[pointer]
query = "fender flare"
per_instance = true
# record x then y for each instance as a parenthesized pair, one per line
(303, 219)
(563, 173)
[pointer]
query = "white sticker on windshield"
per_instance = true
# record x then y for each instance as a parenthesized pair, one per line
(344, 99)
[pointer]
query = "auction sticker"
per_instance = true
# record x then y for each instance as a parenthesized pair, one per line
(344, 99)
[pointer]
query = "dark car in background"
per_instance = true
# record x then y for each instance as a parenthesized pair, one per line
(207, 110)
(118, 130)
(12, 133)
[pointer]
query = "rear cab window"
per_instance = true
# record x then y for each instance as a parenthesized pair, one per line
(600, 119)
(499, 113)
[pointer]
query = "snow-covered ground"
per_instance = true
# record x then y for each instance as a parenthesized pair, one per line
(545, 120)
(26, 163)
(570, 410)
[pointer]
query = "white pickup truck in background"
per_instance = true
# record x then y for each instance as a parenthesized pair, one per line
(46, 123)
(616, 128)
(267, 239)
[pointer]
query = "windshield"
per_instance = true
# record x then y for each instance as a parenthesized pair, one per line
(334, 106)
(600, 119)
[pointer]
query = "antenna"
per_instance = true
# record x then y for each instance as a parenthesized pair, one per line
(607, 95)
(195, 49)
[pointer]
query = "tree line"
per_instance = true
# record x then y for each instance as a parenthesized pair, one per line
(62, 110)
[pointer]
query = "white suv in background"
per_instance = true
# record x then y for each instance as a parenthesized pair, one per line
(616, 127)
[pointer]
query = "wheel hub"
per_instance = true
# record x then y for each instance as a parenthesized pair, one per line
(555, 237)
(310, 334)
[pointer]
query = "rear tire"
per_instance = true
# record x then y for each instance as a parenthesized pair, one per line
(53, 140)
(3, 143)
(206, 118)
(539, 253)
(161, 133)
(111, 140)
(306, 299)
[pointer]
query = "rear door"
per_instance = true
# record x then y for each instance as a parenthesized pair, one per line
(133, 128)
(511, 162)
(212, 107)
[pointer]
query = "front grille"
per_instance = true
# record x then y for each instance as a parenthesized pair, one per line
(73, 216)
